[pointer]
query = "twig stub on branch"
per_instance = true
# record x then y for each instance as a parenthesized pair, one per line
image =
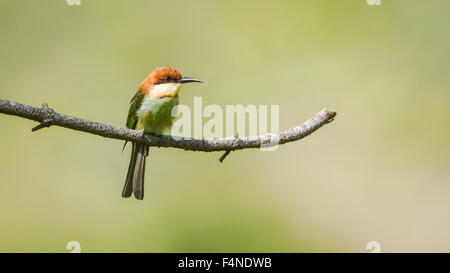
(47, 121)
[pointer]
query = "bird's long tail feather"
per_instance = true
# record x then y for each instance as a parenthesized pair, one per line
(136, 172)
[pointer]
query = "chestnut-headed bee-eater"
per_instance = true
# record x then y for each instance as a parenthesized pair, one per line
(151, 111)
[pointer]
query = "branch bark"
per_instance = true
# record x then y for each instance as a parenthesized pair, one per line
(47, 117)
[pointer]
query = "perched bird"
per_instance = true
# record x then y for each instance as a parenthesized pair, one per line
(150, 111)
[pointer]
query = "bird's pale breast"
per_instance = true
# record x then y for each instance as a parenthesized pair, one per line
(155, 114)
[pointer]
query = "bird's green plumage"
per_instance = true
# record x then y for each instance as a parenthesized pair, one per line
(135, 104)
(153, 115)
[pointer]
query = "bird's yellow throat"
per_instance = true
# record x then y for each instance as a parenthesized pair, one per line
(165, 90)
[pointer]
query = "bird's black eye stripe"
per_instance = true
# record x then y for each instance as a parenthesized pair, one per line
(166, 79)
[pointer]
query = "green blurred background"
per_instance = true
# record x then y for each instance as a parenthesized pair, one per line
(379, 172)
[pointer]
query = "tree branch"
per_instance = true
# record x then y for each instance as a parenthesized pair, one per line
(48, 117)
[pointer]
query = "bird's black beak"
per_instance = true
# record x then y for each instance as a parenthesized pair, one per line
(188, 79)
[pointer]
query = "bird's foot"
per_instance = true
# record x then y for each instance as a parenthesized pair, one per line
(160, 139)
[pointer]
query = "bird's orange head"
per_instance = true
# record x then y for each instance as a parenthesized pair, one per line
(164, 81)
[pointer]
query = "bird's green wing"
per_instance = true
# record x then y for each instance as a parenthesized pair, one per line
(135, 104)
